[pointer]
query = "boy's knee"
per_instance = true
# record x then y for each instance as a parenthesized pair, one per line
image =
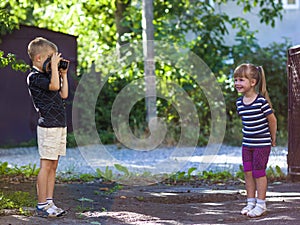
(54, 168)
(48, 165)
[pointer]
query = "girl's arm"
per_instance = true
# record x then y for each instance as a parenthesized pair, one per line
(273, 127)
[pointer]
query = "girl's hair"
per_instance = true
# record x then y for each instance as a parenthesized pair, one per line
(257, 73)
(38, 46)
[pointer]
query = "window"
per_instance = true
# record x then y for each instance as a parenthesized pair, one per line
(290, 4)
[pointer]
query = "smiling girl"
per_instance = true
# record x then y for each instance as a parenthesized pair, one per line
(259, 134)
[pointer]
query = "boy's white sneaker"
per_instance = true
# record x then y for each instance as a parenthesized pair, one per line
(59, 211)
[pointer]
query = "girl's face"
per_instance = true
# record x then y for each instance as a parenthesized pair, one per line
(243, 84)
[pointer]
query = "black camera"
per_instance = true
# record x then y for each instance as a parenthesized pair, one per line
(63, 64)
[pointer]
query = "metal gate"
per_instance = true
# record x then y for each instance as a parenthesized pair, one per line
(293, 70)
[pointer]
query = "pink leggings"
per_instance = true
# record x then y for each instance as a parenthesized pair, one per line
(255, 159)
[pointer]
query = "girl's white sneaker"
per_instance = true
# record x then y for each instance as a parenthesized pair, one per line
(248, 208)
(258, 211)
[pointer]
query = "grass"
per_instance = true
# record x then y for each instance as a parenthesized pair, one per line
(21, 173)
(16, 200)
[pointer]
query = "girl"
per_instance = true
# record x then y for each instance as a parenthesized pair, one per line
(259, 134)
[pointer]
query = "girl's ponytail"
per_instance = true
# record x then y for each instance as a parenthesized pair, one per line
(263, 85)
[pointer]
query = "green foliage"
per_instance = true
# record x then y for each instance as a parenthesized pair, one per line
(10, 60)
(275, 173)
(3, 168)
(7, 23)
(122, 169)
(98, 29)
(107, 174)
(86, 177)
(216, 176)
(208, 177)
(16, 200)
(26, 171)
(183, 176)
(273, 58)
(240, 173)
(114, 189)
(86, 204)
(71, 142)
(234, 134)
(190, 171)
(178, 176)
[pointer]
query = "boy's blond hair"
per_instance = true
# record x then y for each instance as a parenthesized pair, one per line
(38, 46)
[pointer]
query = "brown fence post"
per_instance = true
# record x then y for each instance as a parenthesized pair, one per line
(293, 72)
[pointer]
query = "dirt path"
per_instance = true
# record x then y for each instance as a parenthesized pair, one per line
(161, 204)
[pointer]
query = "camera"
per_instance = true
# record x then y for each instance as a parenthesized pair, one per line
(63, 64)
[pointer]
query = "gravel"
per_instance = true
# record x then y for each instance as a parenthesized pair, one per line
(87, 159)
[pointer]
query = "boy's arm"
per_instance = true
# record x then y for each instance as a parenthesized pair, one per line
(55, 80)
(273, 127)
(64, 91)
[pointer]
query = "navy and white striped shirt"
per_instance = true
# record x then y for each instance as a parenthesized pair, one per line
(255, 130)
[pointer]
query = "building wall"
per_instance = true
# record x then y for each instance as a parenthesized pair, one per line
(288, 27)
(18, 118)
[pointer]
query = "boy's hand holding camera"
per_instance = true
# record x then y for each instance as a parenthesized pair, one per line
(59, 69)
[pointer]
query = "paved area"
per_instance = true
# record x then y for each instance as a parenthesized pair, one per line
(159, 204)
(173, 205)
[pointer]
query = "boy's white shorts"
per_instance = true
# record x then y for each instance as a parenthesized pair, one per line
(52, 142)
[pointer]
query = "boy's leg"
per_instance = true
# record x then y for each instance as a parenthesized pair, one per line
(49, 143)
(42, 179)
(51, 179)
(51, 187)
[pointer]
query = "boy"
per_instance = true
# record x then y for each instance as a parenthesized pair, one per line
(48, 87)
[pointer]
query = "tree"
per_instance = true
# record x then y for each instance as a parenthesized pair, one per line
(7, 25)
(122, 28)
(149, 63)
(100, 25)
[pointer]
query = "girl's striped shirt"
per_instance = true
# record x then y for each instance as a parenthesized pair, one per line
(255, 130)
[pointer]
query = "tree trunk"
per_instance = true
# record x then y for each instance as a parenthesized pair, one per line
(149, 64)
(121, 6)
